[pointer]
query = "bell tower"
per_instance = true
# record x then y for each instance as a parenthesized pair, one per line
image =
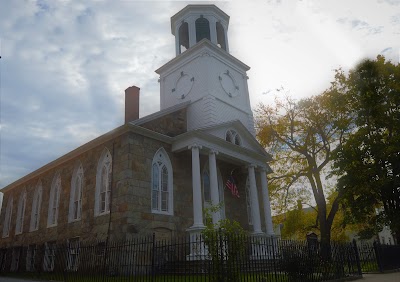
(196, 22)
(203, 74)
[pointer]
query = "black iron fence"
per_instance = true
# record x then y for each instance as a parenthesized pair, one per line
(221, 258)
(375, 257)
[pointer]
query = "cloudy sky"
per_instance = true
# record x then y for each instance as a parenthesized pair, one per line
(65, 64)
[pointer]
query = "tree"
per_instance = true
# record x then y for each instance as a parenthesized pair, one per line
(301, 136)
(368, 163)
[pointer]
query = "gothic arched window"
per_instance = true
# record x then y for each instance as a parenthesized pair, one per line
(54, 201)
(7, 218)
(20, 213)
(233, 137)
(202, 29)
(75, 202)
(161, 183)
(103, 184)
(36, 203)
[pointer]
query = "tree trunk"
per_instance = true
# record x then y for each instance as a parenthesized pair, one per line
(325, 228)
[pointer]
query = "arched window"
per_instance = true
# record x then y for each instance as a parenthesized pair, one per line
(75, 202)
(54, 200)
(221, 42)
(233, 137)
(103, 184)
(202, 29)
(205, 177)
(20, 213)
(36, 203)
(161, 183)
(248, 202)
(183, 37)
(7, 218)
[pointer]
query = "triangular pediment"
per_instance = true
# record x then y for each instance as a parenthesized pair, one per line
(247, 140)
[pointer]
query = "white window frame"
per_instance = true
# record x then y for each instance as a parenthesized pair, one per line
(233, 137)
(161, 163)
(19, 226)
(103, 184)
(54, 201)
(49, 256)
(248, 202)
(8, 217)
(75, 202)
(73, 254)
(207, 204)
(36, 205)
(30, 257)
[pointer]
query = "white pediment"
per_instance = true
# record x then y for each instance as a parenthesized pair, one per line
(247, 140)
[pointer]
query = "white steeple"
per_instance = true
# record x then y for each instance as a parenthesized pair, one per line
(203, 72)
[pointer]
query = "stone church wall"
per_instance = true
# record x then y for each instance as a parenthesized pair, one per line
(131, 195)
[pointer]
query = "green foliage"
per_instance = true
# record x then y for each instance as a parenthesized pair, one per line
(368, 163)
(301, 135)
(226, 243)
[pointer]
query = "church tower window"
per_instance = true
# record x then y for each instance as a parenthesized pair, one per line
(103, 184)
(202, 29)
(183, 37)
(20, 213)
(54, 201)
(161, 183)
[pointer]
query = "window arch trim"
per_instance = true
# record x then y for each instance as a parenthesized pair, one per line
(76, 192)
(8, 217)
(162, 183)
(36, 206)
(54, 200)
(19, 225)
(233, 137)
(103, 184)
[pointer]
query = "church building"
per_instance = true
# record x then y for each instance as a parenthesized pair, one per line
(157, 174)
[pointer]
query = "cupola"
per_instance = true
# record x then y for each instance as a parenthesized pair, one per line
(196, 22)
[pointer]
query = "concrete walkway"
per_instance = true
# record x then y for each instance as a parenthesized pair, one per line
(385, 277)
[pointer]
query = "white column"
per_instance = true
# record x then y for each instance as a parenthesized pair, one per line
(196, 183)
(255, 208)
(216, 216)
(226, 38)
(213, 30)
(177, 45)
(192, 31)
(267, 206)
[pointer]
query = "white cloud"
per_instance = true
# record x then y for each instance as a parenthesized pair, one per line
(65, 64)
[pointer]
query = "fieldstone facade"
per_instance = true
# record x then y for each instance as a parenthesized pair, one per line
(196, 147)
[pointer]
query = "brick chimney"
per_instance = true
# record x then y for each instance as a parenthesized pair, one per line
(131, 103)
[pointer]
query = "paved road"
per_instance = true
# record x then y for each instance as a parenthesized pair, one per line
(387, 277)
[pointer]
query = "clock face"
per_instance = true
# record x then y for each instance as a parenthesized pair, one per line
(228, 84)
(183, 85)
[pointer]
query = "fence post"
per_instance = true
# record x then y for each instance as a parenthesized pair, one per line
(153, 262)
(378, 256)
(357, 257)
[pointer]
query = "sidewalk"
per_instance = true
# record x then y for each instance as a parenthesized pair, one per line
(385, 277)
